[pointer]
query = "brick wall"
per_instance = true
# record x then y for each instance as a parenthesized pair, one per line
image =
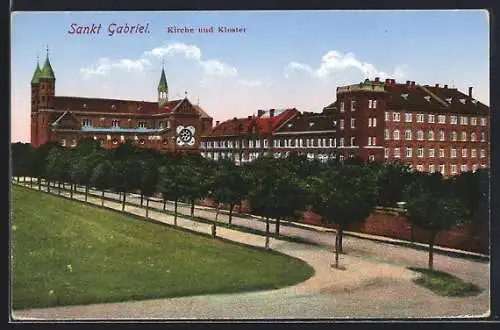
(389, 224)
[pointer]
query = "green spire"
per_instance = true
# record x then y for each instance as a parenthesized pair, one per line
(47, 72)
(36, 75)
(162, 85)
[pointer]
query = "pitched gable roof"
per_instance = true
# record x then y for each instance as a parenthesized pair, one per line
(66, 121)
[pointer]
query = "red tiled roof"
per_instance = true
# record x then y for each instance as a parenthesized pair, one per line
(111, 105)
(261, 123)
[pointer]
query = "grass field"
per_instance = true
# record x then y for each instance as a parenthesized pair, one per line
(445, 284)
(67, 253)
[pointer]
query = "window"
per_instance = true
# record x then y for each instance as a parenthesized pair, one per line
(160, 125)
(441, 119)
(441, 153)
(63, 142)
(353, 141)
(441, 135)
(168, 124)
(387, 116)
(441, 169)
(431, 153)
(353, 105)
(396, 153)
(237, 144)
(319, 143)
(408, 134)
(341, 142)
(420, 152)
(353, 122)
(420, 135)
(474, 168)
(483, 121)
(430, 135)
(408, 118)
(386, 152)
(374, 140)
(431, 168)
(463, 168)
(370, 121)
(395, 134)
(483, 153)
(464, 153)
(341, 123)
(87, 122)
(431, 119)
(420, 118)
(453, 169)
(250, 143)
(142, 124)
(453, 152)
(395, 116)
(473, 153)
(369, 140)
(115, 123)
(464, 120)
(372, 104)
(386, 134)
(374, 122)
(453, 136)
(483, 137)
(453, 120)
(342, 106)
(371, 158)
(473, 121)
(463, 136)
(420, 168)
(408, 152)
(473, 137)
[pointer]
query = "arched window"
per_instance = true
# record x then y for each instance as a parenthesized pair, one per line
(473, 137)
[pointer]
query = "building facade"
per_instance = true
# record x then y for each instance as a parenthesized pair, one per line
(432, 128)
(171, 126)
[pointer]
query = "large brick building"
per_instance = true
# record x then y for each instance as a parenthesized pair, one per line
(432, 128)
(172, 126)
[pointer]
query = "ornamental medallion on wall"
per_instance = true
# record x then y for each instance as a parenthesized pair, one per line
(185, 135)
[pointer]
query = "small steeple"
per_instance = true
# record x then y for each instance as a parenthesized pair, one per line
(162, 85)
(47, 72)
(36, 75)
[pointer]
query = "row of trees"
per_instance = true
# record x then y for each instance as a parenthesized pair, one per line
(341, 192)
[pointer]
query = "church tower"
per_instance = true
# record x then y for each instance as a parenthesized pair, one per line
(35, 84)
(162, 88)
(47, 84)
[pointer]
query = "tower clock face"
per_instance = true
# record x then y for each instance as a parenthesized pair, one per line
(185, 135)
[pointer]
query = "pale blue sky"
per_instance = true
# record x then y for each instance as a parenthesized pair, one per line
(285, 58)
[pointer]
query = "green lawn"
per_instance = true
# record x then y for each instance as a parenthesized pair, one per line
(66, 253)
(445, 284)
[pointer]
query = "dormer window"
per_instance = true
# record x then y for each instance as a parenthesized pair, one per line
(311, 124)
(113, 107)
(142, 124)
(462, 100)
(372, 104)
(85, 105)
(405, 96)
(115, 123)
(449, 100)
(86, 122)
(427, 98)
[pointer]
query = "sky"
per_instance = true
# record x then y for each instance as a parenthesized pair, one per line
(278, 59)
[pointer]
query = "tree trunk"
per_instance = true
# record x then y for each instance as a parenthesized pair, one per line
(164, 204)
(277, 230)
(86, 192)
(214, 229)
(192, 208)
(48, 185)
(175, 211)
(17, 178)
(142, 198)
(39, 183)
(123, 203)
(31, 182)
(431, 250)
(337, 248)
(102, 198)
(217, 211)
(341, 235)
(147, 206)
(71, 190)
(59, 187)
(231, 208)
(267, 232)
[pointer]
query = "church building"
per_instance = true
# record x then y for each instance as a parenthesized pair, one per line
(170, 126)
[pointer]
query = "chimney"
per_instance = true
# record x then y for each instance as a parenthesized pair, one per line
(377, 79)
(249, 117)
(260, 113)
(445, 86)
(387, 81)
(407, 83)
(437, 85)
(271, 113)
(412, 84)
(217, 123)
(393, 81)
(470, 92)
(234, 118)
